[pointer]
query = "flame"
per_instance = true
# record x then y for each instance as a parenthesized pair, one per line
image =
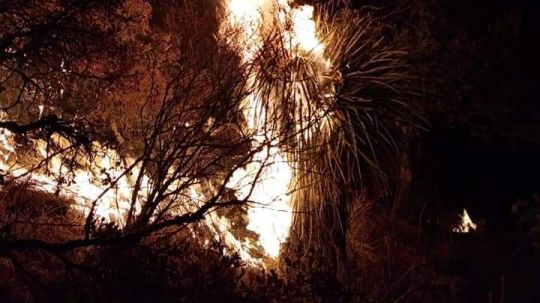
(90, 182)
(466, 225)
(265, 182)
(270, 215)
(304, 32)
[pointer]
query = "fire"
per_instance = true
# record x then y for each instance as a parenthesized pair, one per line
(109, 178)
(466, 225)
(270, 215)
(90, 182)
(305, 30)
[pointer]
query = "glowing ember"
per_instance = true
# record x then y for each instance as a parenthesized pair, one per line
(467, 225)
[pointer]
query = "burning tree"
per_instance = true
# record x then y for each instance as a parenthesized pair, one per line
(151, 126)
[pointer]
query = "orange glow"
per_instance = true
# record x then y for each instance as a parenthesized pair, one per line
(265, 182)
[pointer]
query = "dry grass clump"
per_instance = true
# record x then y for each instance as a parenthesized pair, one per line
(368, 123)
(180, 265)
(27, 212)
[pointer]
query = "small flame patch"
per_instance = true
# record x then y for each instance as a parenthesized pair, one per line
(466, 225)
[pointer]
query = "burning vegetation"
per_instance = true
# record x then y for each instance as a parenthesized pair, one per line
(255, 124)
(228, 150)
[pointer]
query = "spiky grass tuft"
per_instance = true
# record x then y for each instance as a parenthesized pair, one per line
(340, 121)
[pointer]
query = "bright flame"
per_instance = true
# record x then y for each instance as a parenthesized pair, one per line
(466, 225)
(88, 183)
(305, 30)
(264, 182)
(270, 215)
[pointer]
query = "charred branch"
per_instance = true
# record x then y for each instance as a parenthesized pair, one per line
(48, 125)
